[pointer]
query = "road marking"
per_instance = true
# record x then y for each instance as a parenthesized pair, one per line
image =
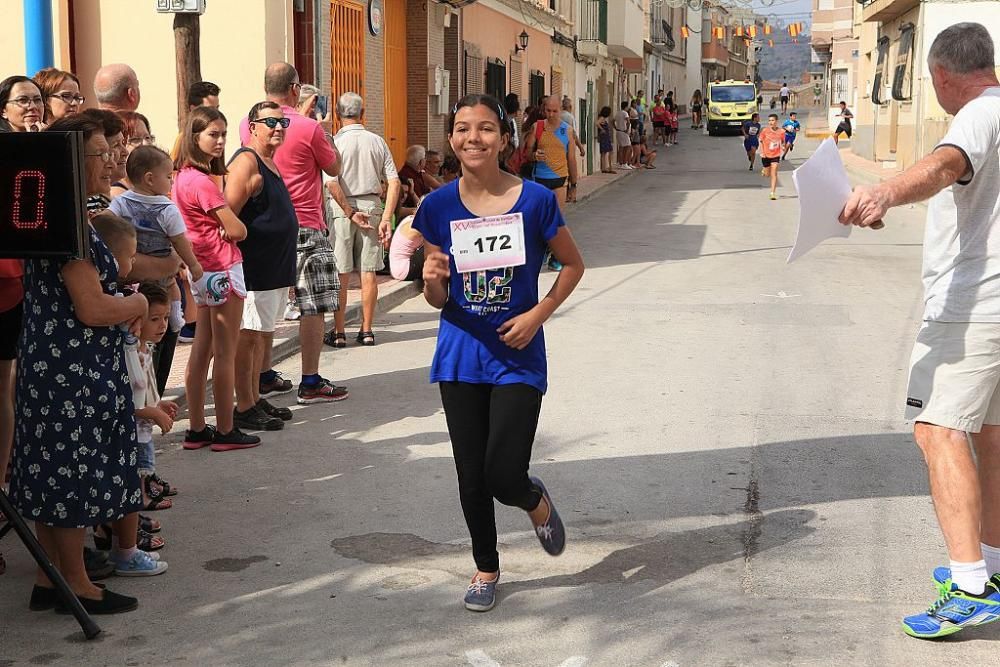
(479, 658)
(782, 295)
(327, 478)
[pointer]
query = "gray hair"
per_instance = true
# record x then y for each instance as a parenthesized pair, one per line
(566, 103)
(962, 49)
(306, 91)
(414, 154)
(111, 83)
(350, 105)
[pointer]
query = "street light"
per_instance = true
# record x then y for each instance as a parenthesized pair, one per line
(523, 42)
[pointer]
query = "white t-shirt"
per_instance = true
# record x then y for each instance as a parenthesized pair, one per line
(569, 119)
(620, 122)
(785, 92)
(962, 240)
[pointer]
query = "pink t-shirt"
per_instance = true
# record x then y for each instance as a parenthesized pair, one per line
(301, 159)
(196, 195)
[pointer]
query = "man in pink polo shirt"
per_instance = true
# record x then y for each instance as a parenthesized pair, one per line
(305, 154)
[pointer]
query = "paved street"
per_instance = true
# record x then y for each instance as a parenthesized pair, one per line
(722, 434)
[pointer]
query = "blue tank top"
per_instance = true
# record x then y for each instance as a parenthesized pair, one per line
(542, 169)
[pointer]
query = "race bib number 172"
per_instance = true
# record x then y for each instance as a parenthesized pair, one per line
(486, 244)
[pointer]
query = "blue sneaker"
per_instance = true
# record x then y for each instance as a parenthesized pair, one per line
(555, 264)
(954, 610)
(552, 533)
(140, 564)
(187, 332)
(481, 594)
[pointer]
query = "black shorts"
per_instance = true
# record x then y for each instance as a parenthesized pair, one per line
(551, 183)
(10, 331)
(844, 128)
(768, 161)
(784, 99)
(658, 124)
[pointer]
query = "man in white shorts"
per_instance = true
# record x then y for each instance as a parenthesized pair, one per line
(954, 386)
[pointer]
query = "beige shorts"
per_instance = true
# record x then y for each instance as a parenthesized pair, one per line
(954, 375)
(358, 249)
(261, 309)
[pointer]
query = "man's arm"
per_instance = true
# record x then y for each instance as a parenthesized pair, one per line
(869, 204)
(239, 184)
(357, 217)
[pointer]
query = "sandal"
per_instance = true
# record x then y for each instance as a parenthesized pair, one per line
(148, 542)
(149, 525)
(366, 338)
(168, 489)
(335, 339)
(157, 500)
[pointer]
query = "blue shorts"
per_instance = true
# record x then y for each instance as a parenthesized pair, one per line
(789, 138)
(751, 144)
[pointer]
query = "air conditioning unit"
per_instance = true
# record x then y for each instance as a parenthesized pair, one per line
(180, 6)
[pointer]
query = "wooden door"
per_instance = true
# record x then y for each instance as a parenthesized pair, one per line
(347, 50)
(395, 78)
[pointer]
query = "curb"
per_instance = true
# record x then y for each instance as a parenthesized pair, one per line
(603, 187)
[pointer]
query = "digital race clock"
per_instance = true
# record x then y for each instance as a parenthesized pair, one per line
(43, 195)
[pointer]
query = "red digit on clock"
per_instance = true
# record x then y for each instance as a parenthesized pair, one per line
(39, 221)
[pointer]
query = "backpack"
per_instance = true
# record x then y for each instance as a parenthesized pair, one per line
(518, 161)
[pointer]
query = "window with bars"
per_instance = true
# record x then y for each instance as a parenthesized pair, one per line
(347, 47)
(496, 78)
(517, 77)
(902, 84)
(473, 84)
(536, 86)
(878, 85)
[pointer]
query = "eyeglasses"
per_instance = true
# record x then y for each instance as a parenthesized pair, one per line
(135, 142)
(105, 157)
(26, 102)
(70, 98)
(274, 122)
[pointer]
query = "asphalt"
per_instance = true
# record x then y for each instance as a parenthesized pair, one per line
(722, 434)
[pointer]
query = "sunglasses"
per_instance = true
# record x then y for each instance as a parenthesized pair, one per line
(274, 122)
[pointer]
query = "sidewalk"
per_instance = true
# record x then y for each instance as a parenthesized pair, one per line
(391, 293)
(866, 171)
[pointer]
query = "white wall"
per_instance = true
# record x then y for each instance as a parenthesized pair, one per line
(693, 57)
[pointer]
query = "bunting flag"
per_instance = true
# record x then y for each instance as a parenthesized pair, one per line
(739, 31)
(793, 29)
(753, 31)
(685, 32)
(720, 32)
(767, 28)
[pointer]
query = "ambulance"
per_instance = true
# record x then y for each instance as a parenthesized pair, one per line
(730, 103)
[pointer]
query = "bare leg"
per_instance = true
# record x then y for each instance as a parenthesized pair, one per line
(369, 297)
(774, 177)
(196, 375)
(267, 337)
(954, 483)
(247, 375)
(311, 340)
(261, 353)
(340, 316)
(225, 323)
(64, 547)
(126, 530)
(987, 444)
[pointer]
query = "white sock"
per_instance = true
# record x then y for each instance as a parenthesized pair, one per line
(176, 316)
(992, 557)
(124, 554)
(970, 577)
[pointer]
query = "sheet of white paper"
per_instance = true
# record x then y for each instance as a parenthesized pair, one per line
(823, 189)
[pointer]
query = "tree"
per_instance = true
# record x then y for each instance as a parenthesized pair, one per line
(187, 46)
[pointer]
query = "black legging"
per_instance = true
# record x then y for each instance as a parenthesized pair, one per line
(492, 429)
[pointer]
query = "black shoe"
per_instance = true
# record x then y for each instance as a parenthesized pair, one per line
(199, 439)
(235, 439)
(43, 599)
(284, 414)
(110, 603)
(97, 564)
(278, 385)
(256, 419)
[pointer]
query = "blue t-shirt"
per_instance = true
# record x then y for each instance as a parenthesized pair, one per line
(751, 130)
(469, 348)
(791, 126)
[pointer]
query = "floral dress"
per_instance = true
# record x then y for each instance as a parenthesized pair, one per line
(74, 458)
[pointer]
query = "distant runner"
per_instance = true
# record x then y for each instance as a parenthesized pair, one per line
(792, 127)
(785, 94)
(772, 140)
(845, 125)
(751, 140)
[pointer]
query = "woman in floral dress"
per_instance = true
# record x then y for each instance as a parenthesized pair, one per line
(74, 457)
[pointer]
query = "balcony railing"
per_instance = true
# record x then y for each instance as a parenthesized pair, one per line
(594, 21)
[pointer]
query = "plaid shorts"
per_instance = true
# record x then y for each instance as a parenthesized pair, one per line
(317, 283)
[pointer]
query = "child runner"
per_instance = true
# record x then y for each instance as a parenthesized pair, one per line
(661, 116)
(791, 127)
(490, 359)
(158, 224)
(604, 138)
(751, 133)
(129, 560)
(772, 139)
(214, 230)
(674, 124)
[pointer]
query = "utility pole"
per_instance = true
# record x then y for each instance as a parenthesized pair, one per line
(187, 47)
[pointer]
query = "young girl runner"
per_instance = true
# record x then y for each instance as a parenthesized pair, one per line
(751, 137)
(490, 357)
(214, 230)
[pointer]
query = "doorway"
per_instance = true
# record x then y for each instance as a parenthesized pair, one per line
(395, 79)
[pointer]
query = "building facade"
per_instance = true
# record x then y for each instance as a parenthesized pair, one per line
(835, 53)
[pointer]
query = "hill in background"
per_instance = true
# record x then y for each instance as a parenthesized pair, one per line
(786, 60)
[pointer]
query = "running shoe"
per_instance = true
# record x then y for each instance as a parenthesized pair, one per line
(256, 419)
(187, 333)
(235, 439)
(774, 197)
(322, 392)
(555, 264)
(284, 414)
(552, 533)
(954, 610)
(139, 564)
(481, 594)
(199, 439)
(278, 385)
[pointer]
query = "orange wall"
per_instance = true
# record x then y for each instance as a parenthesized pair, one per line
(497, 34)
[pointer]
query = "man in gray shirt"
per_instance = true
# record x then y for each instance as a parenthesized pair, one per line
(954, 385)
(365, 163)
